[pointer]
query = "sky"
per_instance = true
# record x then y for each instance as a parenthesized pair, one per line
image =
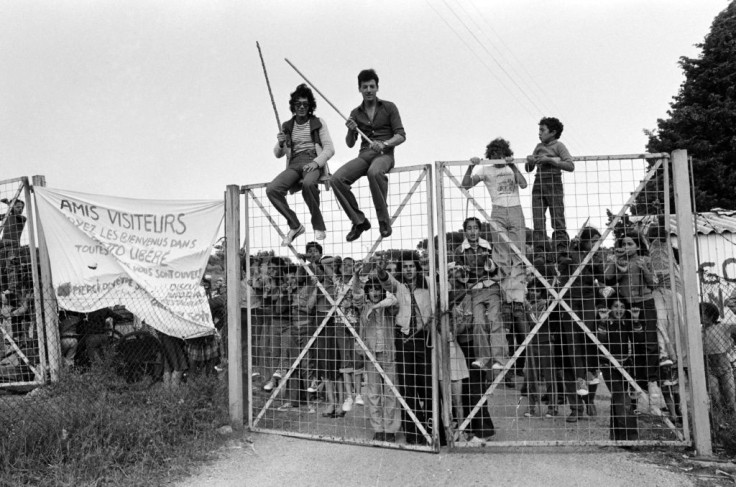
(167, 99)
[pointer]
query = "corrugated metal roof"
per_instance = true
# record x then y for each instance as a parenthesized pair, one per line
(718, 221)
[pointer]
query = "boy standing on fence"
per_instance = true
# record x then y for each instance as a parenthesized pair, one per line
(381, 122)
(550, 157)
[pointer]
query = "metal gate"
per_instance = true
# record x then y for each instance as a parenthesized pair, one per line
(311, 372)
(24, 361)
(557, 335)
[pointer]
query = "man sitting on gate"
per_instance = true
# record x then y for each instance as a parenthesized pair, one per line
(489, 337)
(379, 120)
(306, 142)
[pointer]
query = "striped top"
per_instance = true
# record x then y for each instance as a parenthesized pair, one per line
(301, 138)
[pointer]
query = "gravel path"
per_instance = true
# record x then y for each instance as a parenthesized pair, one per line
(272, 460)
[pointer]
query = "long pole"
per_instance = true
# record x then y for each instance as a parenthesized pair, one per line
(328, 101)
(268, 83)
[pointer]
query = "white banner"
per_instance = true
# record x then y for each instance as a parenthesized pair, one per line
(149, 255)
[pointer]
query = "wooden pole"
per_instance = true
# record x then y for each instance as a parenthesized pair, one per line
(688, 267)
(237, 401)
(328, 101)
(268, 84)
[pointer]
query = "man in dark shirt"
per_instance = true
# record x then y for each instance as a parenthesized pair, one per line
(380, 121)
(13, 222)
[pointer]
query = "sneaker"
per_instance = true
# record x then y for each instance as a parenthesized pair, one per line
(268, 386)
(574, 415)
(313, 386)
(287, 406)
(665, 361)
(497, 366)
(278, 374)
(359, 400)
(532, 412)
(478, 364)
(320, 234)
(355, 232)
(255, 374)
(292, 235)
(348, 404)
(593, 379)
(551, 412)
(581, 387)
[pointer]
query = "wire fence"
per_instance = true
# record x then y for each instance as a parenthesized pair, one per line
(473, 323)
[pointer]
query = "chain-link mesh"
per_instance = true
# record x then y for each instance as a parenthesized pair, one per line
(338, 351)
(561, 305)
(83, 377)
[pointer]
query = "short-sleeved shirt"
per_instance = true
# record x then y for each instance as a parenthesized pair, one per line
(501, 184)
(385, 124)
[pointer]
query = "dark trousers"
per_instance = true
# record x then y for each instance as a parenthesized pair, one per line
(415, 379)
(623, 424)
(10, 267)
(646, 347)
(548, 193)
(286, 180)
(373, 164)
(481, 424)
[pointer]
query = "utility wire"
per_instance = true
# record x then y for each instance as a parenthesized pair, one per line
(482, 61)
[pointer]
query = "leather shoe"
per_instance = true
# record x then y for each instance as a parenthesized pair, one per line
(385, 228)
(355, 232)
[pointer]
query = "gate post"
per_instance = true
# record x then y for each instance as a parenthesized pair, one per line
(688, 265)
(236, 399)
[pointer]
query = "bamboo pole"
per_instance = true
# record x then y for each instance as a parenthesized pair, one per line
(326, 99)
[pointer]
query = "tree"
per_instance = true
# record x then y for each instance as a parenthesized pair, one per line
(702, 119)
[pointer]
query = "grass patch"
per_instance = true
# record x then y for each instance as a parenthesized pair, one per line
(93, 429)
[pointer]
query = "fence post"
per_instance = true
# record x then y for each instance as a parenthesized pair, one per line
(688, 266)
(47, 296)
(236, 399)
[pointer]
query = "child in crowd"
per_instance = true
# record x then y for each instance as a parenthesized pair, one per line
(327, 352)
(718, 339)
(550, 158)
(615, 330)
(345, 340)
(377, 311)
(303, 299)
(278, 303)
(631, 270)
(662, 257)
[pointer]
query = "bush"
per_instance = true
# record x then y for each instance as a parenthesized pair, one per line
(92, 428)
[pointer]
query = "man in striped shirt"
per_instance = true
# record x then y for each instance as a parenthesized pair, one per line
(306, 142)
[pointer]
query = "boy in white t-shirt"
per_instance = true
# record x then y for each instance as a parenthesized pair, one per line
(503, 180)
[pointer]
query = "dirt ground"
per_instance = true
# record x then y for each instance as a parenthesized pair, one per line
(266, 460)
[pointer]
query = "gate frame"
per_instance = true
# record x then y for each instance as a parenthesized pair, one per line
(701, 435)
(425, 176)
(442, 170)
(46, 324)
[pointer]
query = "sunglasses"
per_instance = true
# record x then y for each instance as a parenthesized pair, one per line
(299, 104)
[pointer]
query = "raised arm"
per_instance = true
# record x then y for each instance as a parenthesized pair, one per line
(468, 180)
